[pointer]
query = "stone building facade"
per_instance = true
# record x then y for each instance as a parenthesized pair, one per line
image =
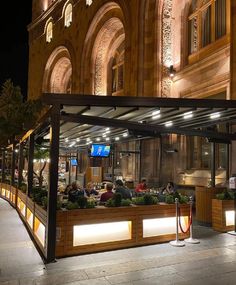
(160, 48)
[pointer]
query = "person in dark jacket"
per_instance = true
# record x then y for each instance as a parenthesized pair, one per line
(124, 191)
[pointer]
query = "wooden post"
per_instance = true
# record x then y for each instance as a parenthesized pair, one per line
(20, 169)
(53, 184)
(213, 164)
(3, 165)
(13, 164)
(30, 164)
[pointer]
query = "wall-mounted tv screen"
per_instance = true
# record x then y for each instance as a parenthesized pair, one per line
(100, 150)
(74, 162)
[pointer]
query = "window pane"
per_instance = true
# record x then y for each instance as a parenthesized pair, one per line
(206, 154)
(206, 27)
(193, 35)
(222, 156)
(220, 18)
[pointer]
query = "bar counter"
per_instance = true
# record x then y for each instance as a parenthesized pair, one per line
(98, 229)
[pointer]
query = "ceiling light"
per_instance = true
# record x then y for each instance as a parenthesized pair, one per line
(72, 144)
(169, 124)
(117, 138)
(107, 129)
(215, 115)
(157, 112)
(125, 135)
(98, 139)
(188, 115)
(107, 139)
(66, 139)
(104, 135)
(78, 139)
(88, 139)
(156, 117)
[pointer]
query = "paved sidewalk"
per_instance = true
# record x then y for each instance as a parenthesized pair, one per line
(213, 261)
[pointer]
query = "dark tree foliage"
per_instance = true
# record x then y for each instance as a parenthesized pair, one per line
(16, 115)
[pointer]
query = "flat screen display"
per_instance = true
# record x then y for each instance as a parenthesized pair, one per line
(74, 162)
(100, 150)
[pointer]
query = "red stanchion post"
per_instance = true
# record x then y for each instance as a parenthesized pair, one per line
(191, 239)
(177, 242)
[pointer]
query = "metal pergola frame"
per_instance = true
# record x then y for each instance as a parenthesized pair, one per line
(112, 115)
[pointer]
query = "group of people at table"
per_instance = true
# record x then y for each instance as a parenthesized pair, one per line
(74, 190)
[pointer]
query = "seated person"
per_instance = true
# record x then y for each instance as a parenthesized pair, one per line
(75, 192)
(124, 191)
(90, 190)
(141, 187)
(169, 189)
(108, 194)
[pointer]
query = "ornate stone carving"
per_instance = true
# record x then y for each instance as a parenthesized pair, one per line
(166, 48)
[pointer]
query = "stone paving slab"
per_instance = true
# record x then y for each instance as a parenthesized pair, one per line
(213, 261)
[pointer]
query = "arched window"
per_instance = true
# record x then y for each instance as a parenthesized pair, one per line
(118, 72)
(68, 15)
(49, 31)
(206, 22)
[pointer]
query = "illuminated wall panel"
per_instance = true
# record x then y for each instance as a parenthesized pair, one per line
(39, 230)
(162, 226)
(29, 218)
(229, 218)
(99, 233)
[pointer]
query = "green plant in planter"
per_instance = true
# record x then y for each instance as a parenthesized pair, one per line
(44, 202)
(59, 205)
(82, 202)
(90, 204)
(23, 187)
(149, 199)
(125, 202)
(72, 206)
(110, 203)
(169, 199)
(183, 199)
(117, 197)
(226, 195)
(138, 201)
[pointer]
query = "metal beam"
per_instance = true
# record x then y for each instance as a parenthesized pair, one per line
(20, 162)
(3, 165)
(151, 129)
(30, 164)
(53, 184)
(133, 101)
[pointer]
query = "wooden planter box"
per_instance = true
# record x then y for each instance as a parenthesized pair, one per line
(223, 215)
(204, 196)
(92, 230)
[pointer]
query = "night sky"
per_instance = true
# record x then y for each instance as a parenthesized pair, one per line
(14, 42)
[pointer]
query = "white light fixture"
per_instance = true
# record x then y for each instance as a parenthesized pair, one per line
(16, 150)
(66, 140)
(156, 117)
(125, 135)
(88, 139)
(215, 115)
(107, 129)
(98, 139)
(117, 138)
(169, 124)
(78, 139)
(107, 139)
(108, 132)
(104, 135)
(157, 112)
(188, 115)
(89, 2)
(72, 144)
